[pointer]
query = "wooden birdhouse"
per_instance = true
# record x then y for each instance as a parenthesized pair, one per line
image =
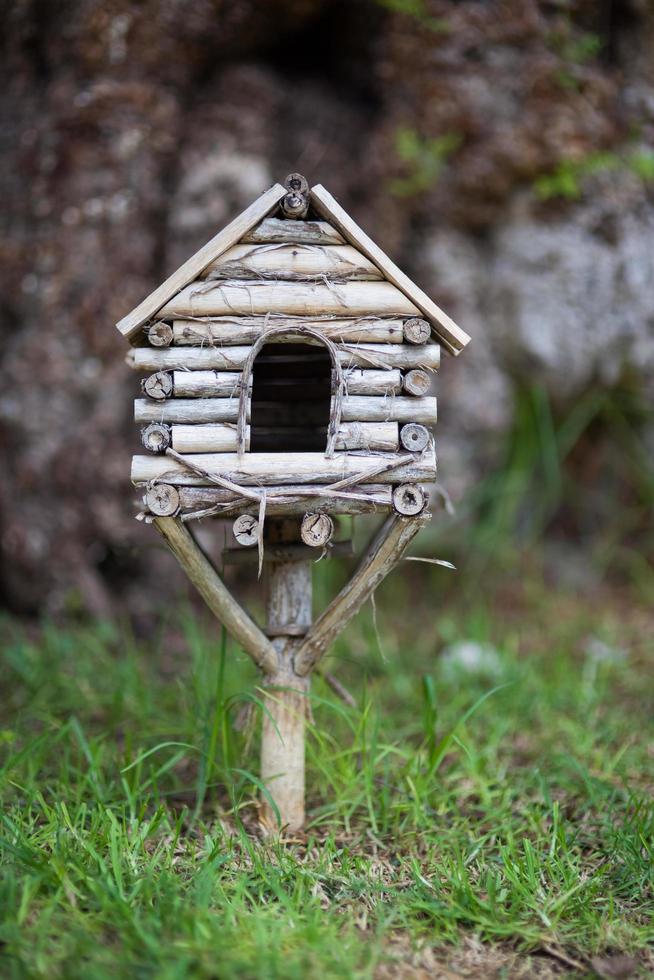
(288, 368)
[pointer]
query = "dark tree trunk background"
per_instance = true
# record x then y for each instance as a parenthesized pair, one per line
(133, 130)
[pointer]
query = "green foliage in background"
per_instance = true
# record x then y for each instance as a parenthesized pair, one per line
(424, 159)
(539, 491)
(492, 785)
(418, 11)
(567, 180)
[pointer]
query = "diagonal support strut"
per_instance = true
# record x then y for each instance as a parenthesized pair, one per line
(216, 595)
(384, 552)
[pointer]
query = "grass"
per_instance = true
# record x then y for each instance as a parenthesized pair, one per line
(486, 811)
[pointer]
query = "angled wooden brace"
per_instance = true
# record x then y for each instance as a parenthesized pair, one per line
(219, 599)
(384, 552)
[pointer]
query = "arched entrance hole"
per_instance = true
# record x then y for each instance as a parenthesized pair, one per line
(291, 398)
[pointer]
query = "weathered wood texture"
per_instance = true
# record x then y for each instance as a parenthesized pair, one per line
(409, 499)
(246, 530)
(392, 409)
(289, 262)
(131, 324)
(160, 334)
(189, 411)
(375, 436)
(446, 329)
(163, 499)
(156, 437)
(400, 356)
(280, 230)
(317, 530)
(416, 382)
(354, 408)
(417, 331)
(239, 330)
(282, 469)
(359, 381)
(252, 297)
(207, 384)
(383, 554)
(216, 438)
(212, 589)
(158, 386)
(414, 438)
(288, 606)
(225, 384)
(295, 204)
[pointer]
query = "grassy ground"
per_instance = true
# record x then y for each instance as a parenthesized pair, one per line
(485, 812)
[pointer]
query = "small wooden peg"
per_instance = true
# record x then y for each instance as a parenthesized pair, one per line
(416, 382)
(160, 334)
(162, 500)
(409, 499)
(246, 530)
(316, 530)
(156, 437)
(414, 437)
(296, 202)
(416, 331)
(158, 386)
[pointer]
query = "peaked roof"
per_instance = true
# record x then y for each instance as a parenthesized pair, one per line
(448, 333)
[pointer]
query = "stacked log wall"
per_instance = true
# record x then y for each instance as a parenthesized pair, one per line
(289, 277)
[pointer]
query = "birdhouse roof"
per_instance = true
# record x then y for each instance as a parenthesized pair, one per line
(452, 337)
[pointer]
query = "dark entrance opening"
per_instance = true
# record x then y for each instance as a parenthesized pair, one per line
(291, 399)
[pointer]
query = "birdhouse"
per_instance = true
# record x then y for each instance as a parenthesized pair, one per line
(287, 375)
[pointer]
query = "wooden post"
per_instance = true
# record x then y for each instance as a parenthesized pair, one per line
(288, 606)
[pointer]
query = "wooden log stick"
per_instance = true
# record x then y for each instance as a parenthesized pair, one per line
(294, 206)
(158, 386)
(417, 331)
(354, 408)
(252, 297)
(414, 438)
(416, 382)
(287, 552)
(385, 356)
(207, 384)
(288, 606)
(409, 499)
(156, 437)
(162, 500)
(292, 262)
(402, 356)
(160, 334)
(212, 589)
(372, 436)
(359, 381)
(296, 202)
(277, 230)
(246, 530)
(280, 501)
(238, 330)
(385, 551)
(220, 437)
(283, 469)
(186, 411)
(316, 530)
(297, 182)
(394, 409)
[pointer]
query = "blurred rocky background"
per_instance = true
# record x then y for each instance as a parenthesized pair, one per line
(502, 152)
